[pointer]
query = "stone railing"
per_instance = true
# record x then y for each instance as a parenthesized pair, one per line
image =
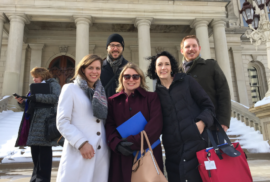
(243, 114)
(5, 103)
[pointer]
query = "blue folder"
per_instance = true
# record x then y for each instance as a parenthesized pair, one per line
(134, 126)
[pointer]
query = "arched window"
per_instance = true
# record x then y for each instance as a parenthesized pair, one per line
(257, 80)
(254, 84)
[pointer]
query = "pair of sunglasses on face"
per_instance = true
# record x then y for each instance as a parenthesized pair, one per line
(128, 76)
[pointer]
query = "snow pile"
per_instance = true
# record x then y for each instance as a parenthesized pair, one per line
(249, 138)
(266, 100)
(9, 126)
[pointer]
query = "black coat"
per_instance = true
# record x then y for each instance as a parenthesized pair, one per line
(212, 79)
(184, 103)
(107, 74)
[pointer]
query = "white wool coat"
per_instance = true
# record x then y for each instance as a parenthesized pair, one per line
(76, 123)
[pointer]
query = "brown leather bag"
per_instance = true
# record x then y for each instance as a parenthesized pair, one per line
(146, 168)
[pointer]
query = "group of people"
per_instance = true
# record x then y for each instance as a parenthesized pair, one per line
(106, 93)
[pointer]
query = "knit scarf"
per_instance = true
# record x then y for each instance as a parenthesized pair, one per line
(115, 63)
(97, 97)
(188, 64)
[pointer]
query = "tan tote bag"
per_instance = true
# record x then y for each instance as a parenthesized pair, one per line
(146, 168)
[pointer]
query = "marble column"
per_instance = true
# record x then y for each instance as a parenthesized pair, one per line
(221, 50)
(201, 28)
(14, 53)
(21, 83)
(2, 21)
(240, 75)
(36, 57)
(82, 36)
(144, 43)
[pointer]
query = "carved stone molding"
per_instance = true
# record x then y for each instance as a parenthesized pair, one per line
(63, 49)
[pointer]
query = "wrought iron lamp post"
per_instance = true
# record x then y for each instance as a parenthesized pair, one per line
(259, 25)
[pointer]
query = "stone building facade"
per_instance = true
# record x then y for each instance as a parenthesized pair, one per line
(57, 34)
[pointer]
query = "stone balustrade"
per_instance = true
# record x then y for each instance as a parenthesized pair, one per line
(243, 114)
(5, 103)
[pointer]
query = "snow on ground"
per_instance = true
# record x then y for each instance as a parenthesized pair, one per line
(266, 100)
(249, 138)
(9, 126)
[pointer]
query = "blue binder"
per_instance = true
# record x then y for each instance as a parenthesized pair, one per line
(133, 126)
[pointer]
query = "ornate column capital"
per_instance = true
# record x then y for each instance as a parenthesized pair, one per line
(196, 23)
(18, 17)
(83, 19)
(36, 46)
(219, 23)
(143, 21)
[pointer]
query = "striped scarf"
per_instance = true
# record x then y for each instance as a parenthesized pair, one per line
(97, 96)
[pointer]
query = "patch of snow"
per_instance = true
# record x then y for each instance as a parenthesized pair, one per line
(248, 138)
(9, 126)
(240, 104)
(266, 100)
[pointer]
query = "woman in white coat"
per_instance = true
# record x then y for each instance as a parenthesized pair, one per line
(82, 111)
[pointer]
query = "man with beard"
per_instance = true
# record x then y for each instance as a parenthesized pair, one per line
(209, 76)
(113, 64)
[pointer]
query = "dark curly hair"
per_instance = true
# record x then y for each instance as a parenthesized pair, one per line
(152, 67)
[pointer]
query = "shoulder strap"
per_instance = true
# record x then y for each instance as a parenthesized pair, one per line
(111, 80)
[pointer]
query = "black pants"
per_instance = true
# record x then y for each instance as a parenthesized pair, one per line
(42, 158)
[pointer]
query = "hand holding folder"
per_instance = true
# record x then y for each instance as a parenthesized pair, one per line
(134, 126)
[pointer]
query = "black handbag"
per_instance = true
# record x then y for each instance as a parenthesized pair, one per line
(51, 132)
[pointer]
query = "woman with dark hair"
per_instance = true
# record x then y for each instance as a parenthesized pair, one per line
(187, 111)
(81, 116)
(131, 98)
(32, 128)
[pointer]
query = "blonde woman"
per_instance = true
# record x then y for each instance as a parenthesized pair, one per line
(81, 116)
(32, 128)
(131, 98)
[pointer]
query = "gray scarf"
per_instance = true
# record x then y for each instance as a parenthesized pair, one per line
(97, 97)
(115, 63)
(188, 64)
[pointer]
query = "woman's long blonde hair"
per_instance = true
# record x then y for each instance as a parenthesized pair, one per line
(84, 63)
(138, 70)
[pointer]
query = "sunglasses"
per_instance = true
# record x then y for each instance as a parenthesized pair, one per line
(135, 77)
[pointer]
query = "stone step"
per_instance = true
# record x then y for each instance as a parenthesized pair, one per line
(258, 156)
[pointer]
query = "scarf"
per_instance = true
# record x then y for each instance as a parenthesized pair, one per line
(97, 97)
(188, 64)
(115, 63)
